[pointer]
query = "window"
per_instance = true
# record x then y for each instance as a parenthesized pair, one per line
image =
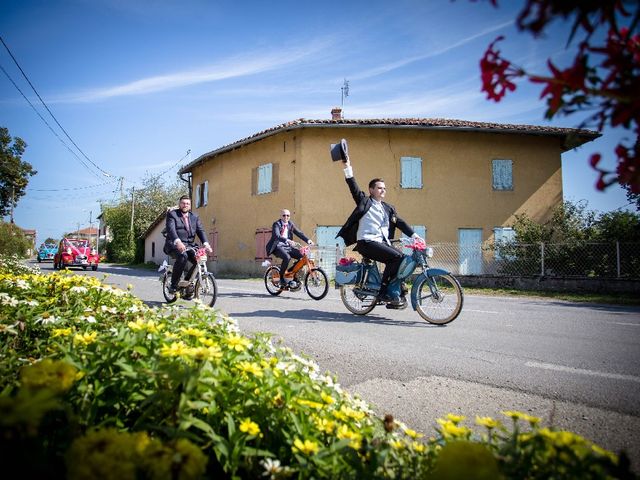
(410, 172)
(502, 172)
(264, 179)
(501, 237)
(202, 194)
(153, 249)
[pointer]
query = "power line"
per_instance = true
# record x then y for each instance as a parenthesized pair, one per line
(73, 188)
(48, 110)
(47, 124)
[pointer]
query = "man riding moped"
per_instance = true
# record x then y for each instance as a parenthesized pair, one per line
(371, 226)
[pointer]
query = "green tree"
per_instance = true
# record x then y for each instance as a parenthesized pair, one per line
(12, 240)
(14, 173)
(148, 202)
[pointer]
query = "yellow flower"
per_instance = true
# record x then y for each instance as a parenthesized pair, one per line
(456, 419)
(345, 432)
(61, 332)
(194, 332)
(55, 375)
(487, 422)
(310, 403)
(324, 425)
(307, 447)
(238, 343)
(419, 447)
(605, 453)
(85, 338)
(397, 444)
(345, 413)
(451, 430)
(250, 367)
(247, 426)
(328, 399)
(176, 349)
(413, 433)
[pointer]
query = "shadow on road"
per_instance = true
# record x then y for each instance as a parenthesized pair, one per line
(321, 316)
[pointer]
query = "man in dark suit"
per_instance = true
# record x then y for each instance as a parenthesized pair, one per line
(182, 227)
(371, 225)
(281, 243)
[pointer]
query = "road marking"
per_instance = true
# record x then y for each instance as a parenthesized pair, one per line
(594, 373)
(627, 324)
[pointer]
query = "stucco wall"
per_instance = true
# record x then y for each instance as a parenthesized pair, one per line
(457, 183)
(154, 236)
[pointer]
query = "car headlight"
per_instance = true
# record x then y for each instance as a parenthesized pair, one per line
(68, 250)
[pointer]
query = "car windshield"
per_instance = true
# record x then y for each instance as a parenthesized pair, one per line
(78, 243)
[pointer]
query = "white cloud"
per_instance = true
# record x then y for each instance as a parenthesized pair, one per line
(239, 66)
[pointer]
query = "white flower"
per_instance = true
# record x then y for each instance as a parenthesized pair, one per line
(133, 309)
(7, 299)
(89, 318)
(22, 284)
(47, 320)
(104, 308)
(31, 303)
(78, 289)
(271, 468)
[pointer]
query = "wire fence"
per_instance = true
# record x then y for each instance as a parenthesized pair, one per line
(580, 260)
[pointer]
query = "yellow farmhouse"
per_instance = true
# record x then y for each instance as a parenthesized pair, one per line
(457, 182)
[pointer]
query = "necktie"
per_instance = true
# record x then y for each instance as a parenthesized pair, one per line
(283, 229)
(186, 223)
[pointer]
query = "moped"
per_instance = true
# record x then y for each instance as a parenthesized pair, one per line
(200, 284)
(303, 272)
(435, 294)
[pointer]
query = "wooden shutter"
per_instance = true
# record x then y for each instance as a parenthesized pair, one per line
(254, 181)
(275, 175)
(205, 193)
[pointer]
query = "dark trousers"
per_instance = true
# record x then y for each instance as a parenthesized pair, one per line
(181, 263)
(381, 252)
(286, 253)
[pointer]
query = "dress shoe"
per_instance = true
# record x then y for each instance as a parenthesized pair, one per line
(172, 289)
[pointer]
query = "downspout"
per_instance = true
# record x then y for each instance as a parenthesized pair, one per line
(188, 182)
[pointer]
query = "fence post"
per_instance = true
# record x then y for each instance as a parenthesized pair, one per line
(542, 259)
(618, 257)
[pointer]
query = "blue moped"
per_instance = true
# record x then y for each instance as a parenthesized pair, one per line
(435, 294)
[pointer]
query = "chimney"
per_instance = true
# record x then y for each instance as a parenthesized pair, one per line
(336, 113)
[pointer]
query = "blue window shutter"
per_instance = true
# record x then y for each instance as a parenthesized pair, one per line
(264, 178)
(197, 195)
(502, 171)
(410, 172)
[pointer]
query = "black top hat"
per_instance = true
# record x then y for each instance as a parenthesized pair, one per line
(340, 151)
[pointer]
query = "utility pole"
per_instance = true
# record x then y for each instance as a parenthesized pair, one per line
(133, 203)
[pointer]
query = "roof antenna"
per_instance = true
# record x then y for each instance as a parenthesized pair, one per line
(345, 91)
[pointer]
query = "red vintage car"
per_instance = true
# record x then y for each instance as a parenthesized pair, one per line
(76, 252)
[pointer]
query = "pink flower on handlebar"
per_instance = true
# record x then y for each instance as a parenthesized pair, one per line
(418, 245)
(304, 250)
(201, 253)
(346, 261)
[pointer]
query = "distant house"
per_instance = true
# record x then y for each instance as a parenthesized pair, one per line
(30, 235)
(154, 240)
(455, 181)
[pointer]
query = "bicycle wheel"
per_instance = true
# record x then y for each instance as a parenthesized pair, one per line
(356, 301)
(207, 289)
(439, 298)
(166, 283)
(317, 284)
(272, 280)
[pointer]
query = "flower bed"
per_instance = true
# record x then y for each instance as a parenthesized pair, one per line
(97, 385)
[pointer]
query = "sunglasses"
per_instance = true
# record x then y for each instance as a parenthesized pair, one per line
(285, 215)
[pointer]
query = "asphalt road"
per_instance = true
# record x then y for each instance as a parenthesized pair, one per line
(575, 365)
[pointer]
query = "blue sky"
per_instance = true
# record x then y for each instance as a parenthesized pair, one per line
(138, 83)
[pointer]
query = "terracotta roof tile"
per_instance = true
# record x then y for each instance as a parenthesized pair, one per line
(573, 137)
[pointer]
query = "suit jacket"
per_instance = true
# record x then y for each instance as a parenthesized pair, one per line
(349, 230)
(176, 228)
(276, 238)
